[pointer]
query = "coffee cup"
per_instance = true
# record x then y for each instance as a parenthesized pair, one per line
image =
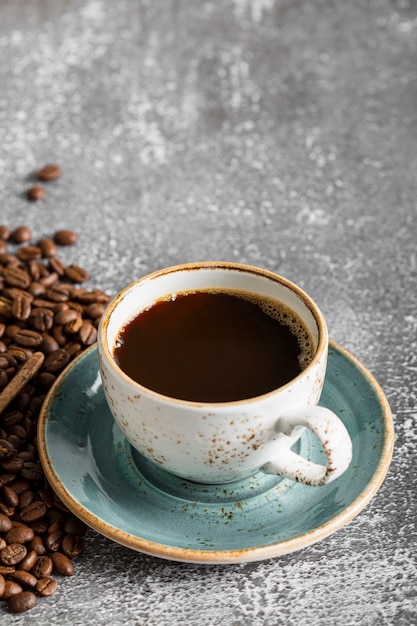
(213, 371)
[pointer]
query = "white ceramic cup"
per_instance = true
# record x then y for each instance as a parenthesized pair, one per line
(226, 441)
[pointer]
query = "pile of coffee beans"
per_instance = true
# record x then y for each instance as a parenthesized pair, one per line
(48, 318)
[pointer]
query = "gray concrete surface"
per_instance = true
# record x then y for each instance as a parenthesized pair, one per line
(273, 132)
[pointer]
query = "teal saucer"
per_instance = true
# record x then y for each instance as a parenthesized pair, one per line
(111, 487)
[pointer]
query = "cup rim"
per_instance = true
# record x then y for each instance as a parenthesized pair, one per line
(322, 343)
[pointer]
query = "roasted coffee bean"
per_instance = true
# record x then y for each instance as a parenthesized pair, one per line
(4, 379)
(36, 193)
(28, 338)
(49, 344)
(11, 417)
(37, 544)
(18, 430)
(21, 486)
(72, 546)
(46, 586)
(65, 316)
(6, 308)
(43, 303)
(56, 295)
(7, 479)
(48, 280)
(20, 353)
(76, 273)
(21, 234)
(4, 362)
(29, 561)
(51, 171)
(32, 471)
(5, 523)
(74, 326)
(24, 578)
(16, 277)
(73, 348)
(4, 232)
(34, 269)
(30, 426)
(10, 496)
(65, 288)
(39, 527)
(59, 335)
(19, 534)
(11, 588)
(7, 258)
(6, 510)
(33, 512)
(46, 496)
(2, 585)
(22, 602)
(87, 333)
(95, 309)
(36, 288)
(35, 404)
(12, 466)
(23, 398)
(54, 539)
(65, 237)
(41, 318)
(54, 527)
(47, 247)
(46, 380)
(13, 553)
(43, 567)
(56, 361)
(22, 305)
(28, 455)
(15, 292)
(62, 564)
(29, 253)
(6, 449)
(17, 523)
(27, 497)
(57, 265)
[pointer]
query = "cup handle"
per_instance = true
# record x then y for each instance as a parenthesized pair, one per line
(332, 435)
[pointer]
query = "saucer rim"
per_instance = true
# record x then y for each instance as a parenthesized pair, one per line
(244, 555)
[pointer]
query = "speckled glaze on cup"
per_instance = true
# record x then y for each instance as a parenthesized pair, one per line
(221, 442)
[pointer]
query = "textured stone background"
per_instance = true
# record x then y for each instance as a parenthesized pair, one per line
(274, 132)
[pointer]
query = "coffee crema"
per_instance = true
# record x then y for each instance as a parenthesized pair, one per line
(214, 346)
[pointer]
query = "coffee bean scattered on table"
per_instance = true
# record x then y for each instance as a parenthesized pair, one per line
(49, 172)
(36, 193)
(48, 318)
(65, 237)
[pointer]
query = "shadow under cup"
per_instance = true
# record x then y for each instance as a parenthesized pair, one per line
(200, 441)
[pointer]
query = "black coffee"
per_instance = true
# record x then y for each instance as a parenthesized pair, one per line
(214, 346)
